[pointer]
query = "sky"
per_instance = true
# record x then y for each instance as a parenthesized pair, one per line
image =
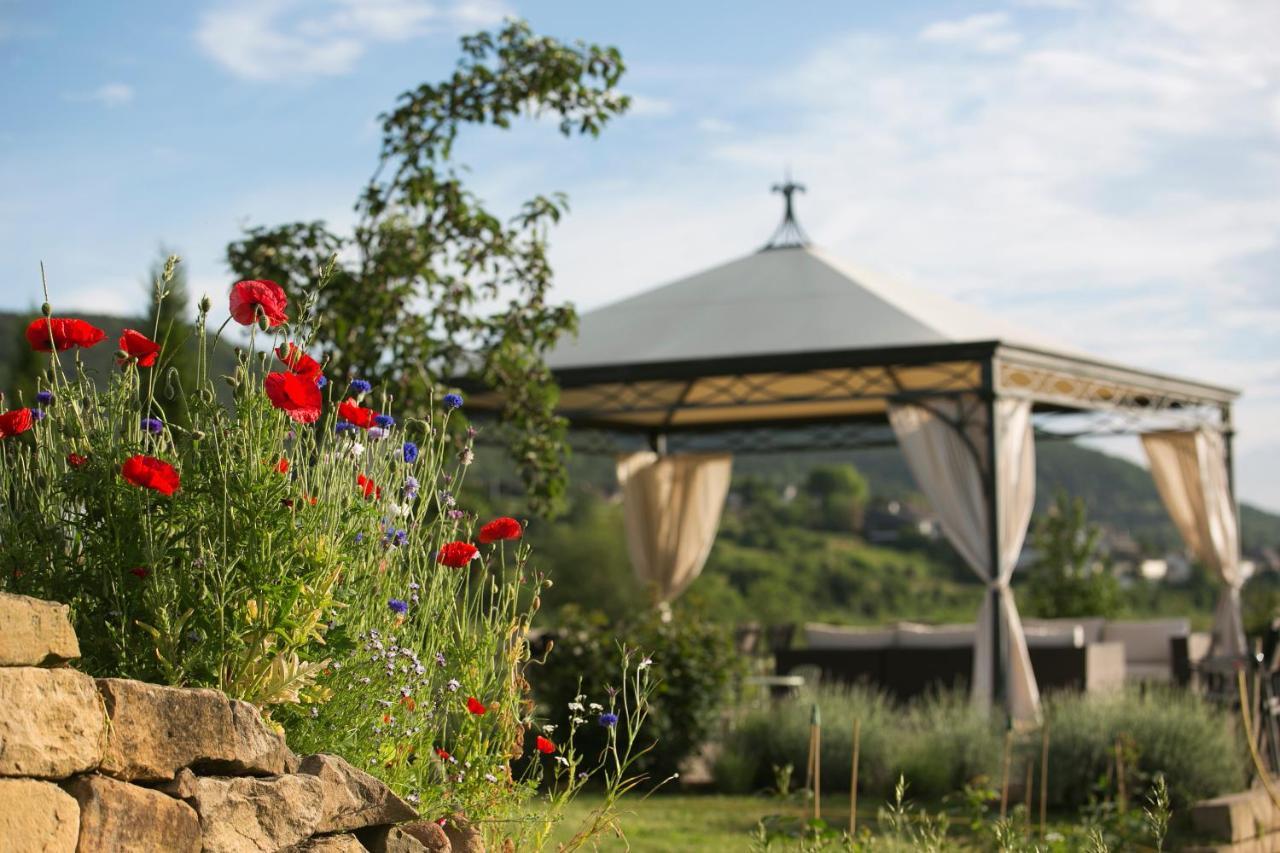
(1105, 172)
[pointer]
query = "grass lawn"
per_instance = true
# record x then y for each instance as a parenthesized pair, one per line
(717, 822)
(676, 822)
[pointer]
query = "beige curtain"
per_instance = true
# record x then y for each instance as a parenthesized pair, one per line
(1190, 470)
(951, 475)
(671, 506)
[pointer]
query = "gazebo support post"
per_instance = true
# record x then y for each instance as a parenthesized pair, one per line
(992, 493)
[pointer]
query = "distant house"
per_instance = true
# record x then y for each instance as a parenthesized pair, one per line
(889, 523)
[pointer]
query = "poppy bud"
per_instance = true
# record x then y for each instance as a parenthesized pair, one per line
(232, 381)
(122, 356)
(46, 309)
(205, 304)
(196, 434)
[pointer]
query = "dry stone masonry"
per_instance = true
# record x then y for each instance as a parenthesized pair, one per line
(114, 764)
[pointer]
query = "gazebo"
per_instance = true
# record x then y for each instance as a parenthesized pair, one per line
(788, 348)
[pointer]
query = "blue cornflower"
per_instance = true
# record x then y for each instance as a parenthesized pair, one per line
(360, 386)
(410, 452)
(155, 426)
(44, 398)
(453, 401)
(38, 414)
(359, 538)
(343, 426)
(608, 719)
(321, 381)
(384, 421)
(398, 606)
(402, 537)
(410, 487)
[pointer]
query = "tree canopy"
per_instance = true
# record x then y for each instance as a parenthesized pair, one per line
(432, 285)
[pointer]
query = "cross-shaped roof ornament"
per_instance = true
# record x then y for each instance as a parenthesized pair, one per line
(789, 234)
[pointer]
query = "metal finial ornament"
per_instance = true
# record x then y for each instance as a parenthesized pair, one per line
(789, 234)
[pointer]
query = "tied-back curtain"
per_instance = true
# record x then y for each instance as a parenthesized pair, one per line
(1190, 470)
(950, 468)
(671, 506)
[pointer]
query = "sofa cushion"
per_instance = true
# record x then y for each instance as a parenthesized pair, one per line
(821, 636)
(913, 635)
(1146, 641)
(1091, 625)
(1065, 635)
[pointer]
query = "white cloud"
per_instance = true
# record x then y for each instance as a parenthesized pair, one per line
(108, 95)
(278, 39)
(647, 106)
(719, 125)
(990, 32)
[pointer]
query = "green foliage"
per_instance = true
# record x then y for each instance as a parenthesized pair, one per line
(1192, 743)
(167, 323)
(1068, 579)
(432, 285)
(839, 494)
(694, 664)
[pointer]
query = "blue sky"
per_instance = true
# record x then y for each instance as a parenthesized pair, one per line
(1104, 171)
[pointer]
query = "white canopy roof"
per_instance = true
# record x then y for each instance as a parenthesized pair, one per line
(780, 300)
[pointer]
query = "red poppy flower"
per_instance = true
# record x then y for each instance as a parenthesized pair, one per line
(475, 706)
(545, 746)
(75, 460)
(358, 415)
(151, 473)
(444, 756)
(455, 555)
(298, 362)
(500, 529)
(139, 346)
(248, 296)
(16, 422)
(282, 466)
(140, 572)
(48, 334)
(296, 396)
(368, 487)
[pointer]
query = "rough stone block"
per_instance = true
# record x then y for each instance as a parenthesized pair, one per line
(352, 798)
(394, 839)
(51, 723)
(329, 844)
(115, 815)
(1236, 817)
(156, 731)
(463, 836)
(430, 834)
(243, 814)
(35, 632)
(37, 817)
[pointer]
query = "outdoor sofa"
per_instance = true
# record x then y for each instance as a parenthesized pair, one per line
(909, 659)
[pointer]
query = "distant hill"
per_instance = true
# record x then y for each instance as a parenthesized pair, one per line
(1119, 493)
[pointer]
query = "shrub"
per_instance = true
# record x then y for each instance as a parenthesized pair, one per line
(777, 736)
(1194, 744)
(693, 661)
(939, 743)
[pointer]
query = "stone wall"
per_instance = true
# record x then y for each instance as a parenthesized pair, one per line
(112, 764)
